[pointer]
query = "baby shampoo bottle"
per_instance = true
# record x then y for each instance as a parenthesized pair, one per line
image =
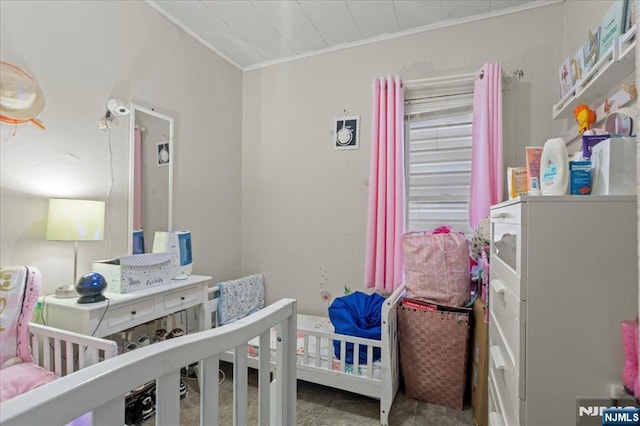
(554, 168)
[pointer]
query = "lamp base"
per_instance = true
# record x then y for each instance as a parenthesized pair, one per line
(66, 292)
(91, 298)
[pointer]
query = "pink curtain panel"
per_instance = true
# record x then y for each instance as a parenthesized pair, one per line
(384, 266)
(486, 150)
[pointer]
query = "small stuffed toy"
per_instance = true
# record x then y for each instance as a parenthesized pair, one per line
(481, 238)
(585, 117)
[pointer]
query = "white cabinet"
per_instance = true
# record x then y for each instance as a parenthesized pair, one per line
(564, 273)
(123, 311)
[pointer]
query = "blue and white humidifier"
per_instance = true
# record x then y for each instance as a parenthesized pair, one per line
(179, 244)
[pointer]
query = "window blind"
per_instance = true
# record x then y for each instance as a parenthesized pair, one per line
(438, 161)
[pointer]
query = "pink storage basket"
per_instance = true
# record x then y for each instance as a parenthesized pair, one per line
(433, 355)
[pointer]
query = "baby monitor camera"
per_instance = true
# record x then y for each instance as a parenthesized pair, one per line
(117, 108)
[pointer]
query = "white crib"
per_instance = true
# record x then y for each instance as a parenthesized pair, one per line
(64, 352)
(315, 361)
(101, 388)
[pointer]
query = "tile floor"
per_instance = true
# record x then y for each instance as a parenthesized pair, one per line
(320, 405)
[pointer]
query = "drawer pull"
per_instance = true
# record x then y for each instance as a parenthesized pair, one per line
(498, 286)
(496, 357)
(495, 419)
(133, 312)
(182, 298)
(500, 216)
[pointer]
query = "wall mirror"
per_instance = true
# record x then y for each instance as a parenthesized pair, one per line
(151, 147)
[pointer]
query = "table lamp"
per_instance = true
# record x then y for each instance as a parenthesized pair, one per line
(75, 220)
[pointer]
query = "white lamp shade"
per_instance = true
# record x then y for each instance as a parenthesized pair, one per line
(75, 220)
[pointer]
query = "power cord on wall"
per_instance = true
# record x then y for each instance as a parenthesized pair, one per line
(108, 195)
(115, 108)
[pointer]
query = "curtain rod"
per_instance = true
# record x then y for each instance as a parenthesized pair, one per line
(424, 98)
(517, 74)
(442, 79)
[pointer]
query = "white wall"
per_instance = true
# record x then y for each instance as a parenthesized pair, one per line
(304, 204)
(579, 18)
(84, 53)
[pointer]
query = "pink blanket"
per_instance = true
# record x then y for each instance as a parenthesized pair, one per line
(20, 378)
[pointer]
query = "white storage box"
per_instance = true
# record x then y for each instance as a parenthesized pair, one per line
(137, 272)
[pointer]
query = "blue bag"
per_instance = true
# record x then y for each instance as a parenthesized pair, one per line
(357, 314)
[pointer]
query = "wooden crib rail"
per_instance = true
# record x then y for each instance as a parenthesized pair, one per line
(64, 352)
(316, 359)
(391, 366)
(101, 388)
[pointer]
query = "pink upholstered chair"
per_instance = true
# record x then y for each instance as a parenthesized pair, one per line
(28, 358)
(19, 291)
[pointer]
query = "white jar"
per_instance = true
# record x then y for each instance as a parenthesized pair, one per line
(554, 168)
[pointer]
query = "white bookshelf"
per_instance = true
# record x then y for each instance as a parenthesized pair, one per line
(610, 70)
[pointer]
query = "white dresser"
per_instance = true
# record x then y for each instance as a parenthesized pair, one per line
(564, 273)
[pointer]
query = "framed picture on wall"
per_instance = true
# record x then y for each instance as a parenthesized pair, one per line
(346, 133)
(163, 153)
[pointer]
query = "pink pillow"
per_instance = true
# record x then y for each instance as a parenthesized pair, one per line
(20, 378)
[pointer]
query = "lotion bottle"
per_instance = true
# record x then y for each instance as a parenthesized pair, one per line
(554, 168)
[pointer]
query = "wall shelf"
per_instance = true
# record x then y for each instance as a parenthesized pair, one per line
(610, 69)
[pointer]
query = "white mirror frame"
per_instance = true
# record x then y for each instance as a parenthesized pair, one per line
(132, 126)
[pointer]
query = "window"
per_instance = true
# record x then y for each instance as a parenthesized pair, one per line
(438, 159)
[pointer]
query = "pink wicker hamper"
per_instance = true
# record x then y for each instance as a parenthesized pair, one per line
(433, 354)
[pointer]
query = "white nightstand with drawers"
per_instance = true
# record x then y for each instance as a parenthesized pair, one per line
(564, 274)
(124, 311)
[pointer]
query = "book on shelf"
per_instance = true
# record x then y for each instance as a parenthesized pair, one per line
(577, 65)
(612, 25)
(566, 83)
(591, 50)
(630, 15)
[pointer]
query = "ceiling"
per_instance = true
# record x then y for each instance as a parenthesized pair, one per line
(255, 33)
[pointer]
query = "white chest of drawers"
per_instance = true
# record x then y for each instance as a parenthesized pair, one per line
(563, 275)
